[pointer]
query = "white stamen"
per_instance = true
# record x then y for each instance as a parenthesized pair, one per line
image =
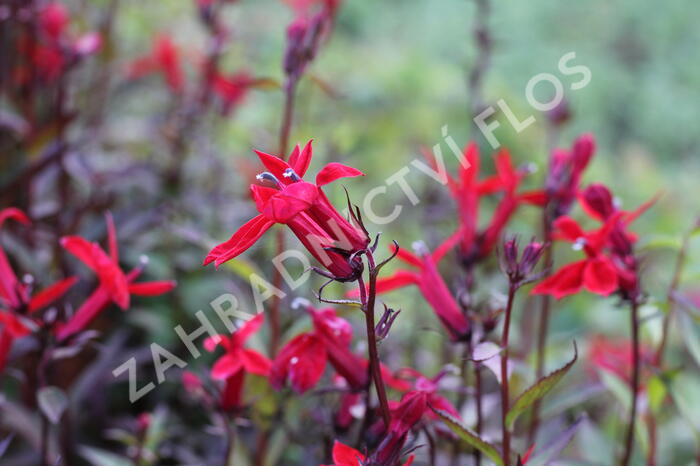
(579, 244)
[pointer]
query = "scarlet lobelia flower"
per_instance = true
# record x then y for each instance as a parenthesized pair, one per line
(564, 177)
(616, 356)
(114, 284)
(344, 455)
(17, 307)
(164, 58)
(287, 199)
(430, 283)
(302, 361)
(610, 263)
(238, 360)
(468, 190)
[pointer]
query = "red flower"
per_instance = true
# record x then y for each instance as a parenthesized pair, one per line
(344, 455)
(237, 361)
(431, 285)
(16, 304)
(303, 360)
(429, 386)
(231, 90)
(404, 417)
(597, 273)
(305, 209)
(565, 171)
(164, 58)
(616, 356)
(468, 190)
(53, 19)
(114, 285)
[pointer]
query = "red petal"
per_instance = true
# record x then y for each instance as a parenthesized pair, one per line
(600, 276)
(90, 309)
(250, 327)
(568, 280)
(448, 245)
(152, 288)
(567, 228)
(344, 455)
(261, 195)
(15, 214)
(538, 198)
(291, 201)
(408, 257)
(12, 324)
(226, 366)
(80, 248)
(509, 177)
(241, 240)
(210, 343)
(255, 363)
(51, 294)
(398, 280)
(301, 361)
(334, 171)
(527, 454)
(300, 161)
(274, 164)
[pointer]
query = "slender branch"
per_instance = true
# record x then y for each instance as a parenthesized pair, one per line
(504, 375)
(543, 328)
(629, 436)
(374, 361)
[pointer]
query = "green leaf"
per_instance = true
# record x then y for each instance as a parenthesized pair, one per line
(53, 403)
(464, 433)
(242, 267)
(538, 390)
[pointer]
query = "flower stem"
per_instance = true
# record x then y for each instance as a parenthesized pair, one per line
(504, 375)
(368, 303)
(629, 436)
(543, 328)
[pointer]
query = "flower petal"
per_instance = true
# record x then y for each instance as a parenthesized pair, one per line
(568, 280)
(241, 240)
(14, 214)
(240, 336)
(152, 288)
(344, 455)
(255, 363)
(274, 164)
(568, 228)
(289, 202)
(82, 249)
(301, 362)
(600, 276)
(334, 171)
(226, 366)
(51, 294)
(300, 161)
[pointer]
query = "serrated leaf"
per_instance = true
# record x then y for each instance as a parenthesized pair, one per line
(538, 390)
(52, 402)
(465, 434)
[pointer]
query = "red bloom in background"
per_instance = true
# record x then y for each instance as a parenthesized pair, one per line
(565, 171)
(114, 284)
(305, 209)
(302, 360)
(231, 89)
(596, 273)
(431, 285)
(52, 50)
(165, 59)
(430, 387)
(610, 263)
(17, 306)
(232, 366)
(344, 455)
(468, 191)
(616, 356)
